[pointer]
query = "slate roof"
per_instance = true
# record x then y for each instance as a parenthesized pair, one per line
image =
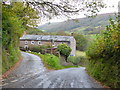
(46, 37)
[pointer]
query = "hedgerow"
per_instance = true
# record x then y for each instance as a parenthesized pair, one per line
(104, 55)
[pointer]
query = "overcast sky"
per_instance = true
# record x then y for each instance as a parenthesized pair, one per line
(109, 9)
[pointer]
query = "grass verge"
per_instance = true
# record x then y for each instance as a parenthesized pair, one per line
(51, 62)
(104, 72)
(9, 59)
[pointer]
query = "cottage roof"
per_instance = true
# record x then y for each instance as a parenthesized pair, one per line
(46, 37)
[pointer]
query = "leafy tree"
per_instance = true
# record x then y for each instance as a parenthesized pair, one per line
(12, 29)
(64, 50)
(107, 43)
(81, 42)
(16, 17)
(11, 25)
(26, 13)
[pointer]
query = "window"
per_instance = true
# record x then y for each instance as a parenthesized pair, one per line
(26, 42)
(39, 42)
(32, 42)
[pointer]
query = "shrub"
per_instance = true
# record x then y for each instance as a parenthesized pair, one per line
(73, 60)
(104, 56)
(41, 49)
(76, 60)
(64, 50)
(52, 61)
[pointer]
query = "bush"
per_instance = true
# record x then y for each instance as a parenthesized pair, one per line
(41, 49)
(50, 61)
(107, 44)
(64, 50)
(104, 54)
(76, 60)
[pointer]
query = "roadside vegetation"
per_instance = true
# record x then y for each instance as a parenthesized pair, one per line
(79, 60)
(0, 56)
(54, 60)
(51, 61)
(10, 38)
(104, 56)
(14, 23)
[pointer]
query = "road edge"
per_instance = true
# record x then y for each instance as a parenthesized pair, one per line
(97, 81)
(5, 75)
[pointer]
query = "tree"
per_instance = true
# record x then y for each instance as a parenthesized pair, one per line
(53, 8)
(26, 13)
(81, 42)
(62, 8)
(16, 17)
(12, 29)
(64, 50)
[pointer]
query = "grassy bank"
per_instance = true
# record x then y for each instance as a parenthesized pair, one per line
(51, 61)
(12, 30)
(9, 59)
(104, 56)
(105, 72)
(0, 56)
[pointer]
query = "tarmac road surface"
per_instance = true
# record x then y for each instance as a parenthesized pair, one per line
(31, 73)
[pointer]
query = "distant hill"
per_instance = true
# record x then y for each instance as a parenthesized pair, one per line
(80, 25)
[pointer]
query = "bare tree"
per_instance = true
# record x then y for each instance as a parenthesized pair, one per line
(51, 8)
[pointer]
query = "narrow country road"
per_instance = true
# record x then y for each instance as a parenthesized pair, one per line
(32, 74)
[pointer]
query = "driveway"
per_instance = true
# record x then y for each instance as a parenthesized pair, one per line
(32, 74)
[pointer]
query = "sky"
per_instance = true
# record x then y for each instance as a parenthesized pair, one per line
(109, 9)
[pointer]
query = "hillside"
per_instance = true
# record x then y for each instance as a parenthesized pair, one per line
(80, 25)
